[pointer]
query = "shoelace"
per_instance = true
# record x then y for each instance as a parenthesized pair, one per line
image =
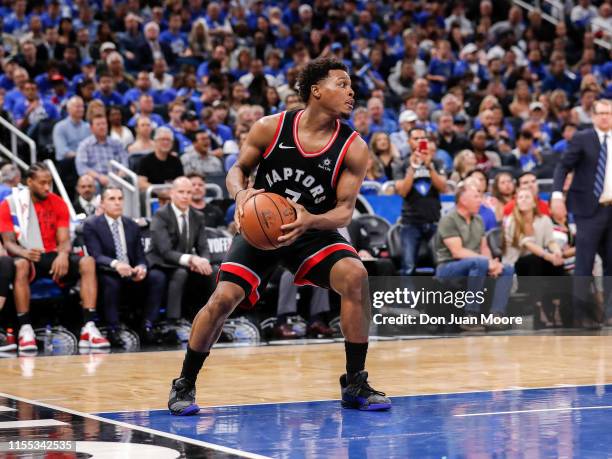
(369, 388)
(182, 390)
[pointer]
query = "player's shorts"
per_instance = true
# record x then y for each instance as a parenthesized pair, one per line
(311, 258)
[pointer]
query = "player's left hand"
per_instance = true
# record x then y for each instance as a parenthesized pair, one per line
(59, 267)
(291, 231)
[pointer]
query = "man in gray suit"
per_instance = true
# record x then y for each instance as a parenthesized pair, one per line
(178, 245)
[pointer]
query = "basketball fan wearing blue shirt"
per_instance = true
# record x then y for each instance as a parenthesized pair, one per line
(317, 161)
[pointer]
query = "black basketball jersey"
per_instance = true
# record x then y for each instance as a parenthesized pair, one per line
(309, 178)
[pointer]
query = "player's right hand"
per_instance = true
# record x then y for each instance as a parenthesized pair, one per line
(243, 196)
(34, 255)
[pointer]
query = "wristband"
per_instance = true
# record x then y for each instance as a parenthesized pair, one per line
(236, 195)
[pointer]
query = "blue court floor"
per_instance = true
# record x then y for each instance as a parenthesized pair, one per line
(555, 422)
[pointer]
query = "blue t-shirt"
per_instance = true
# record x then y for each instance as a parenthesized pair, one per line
(113, 99)
(488, 217)
(440, 68)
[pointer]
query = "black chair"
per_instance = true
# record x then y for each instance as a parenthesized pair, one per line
(42, 134)
(377, 228)
(425, 256)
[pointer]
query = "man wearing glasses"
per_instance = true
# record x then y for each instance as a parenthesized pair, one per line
(589, 156)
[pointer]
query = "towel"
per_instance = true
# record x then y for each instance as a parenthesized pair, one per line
(25, 220)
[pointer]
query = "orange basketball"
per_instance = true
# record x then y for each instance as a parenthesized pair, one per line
(263, 216)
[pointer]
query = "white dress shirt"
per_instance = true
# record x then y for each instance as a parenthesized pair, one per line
(185, 258)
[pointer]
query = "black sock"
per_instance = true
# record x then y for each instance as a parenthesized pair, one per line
(89, 315)
(23, 319)
(193, 364)
(355, 357)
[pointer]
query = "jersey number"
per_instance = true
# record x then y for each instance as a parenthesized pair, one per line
(294, 196)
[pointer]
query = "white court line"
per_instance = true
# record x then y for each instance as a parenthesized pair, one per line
(6, 408)
(223, 449)
(543, 410)
(481, 391)
(31, 423)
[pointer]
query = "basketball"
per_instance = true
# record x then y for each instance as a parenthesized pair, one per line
(264, 214)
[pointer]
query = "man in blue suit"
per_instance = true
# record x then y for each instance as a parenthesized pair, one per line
(589, 156)
(115, 243)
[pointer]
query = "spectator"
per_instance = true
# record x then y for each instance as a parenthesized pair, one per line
(464, 163)
(530, 181)
(219, 133)
(407, 120)
(173, 37)
(502, 191)
(160, 79)
(378, 122)
(106, 92)
(152, 48)
(41, 241)
(526, 157)
(564, 234)
(448, 139)
(114, 62)
(161, 166)
(530, 246)
(69, 132)
(143, 144)
(145, 107)
(440, 69)
(201, 159)
(462, 251)
(213, 216)
(485, 159)
(142, 86)
(567, 133)
(15, 95)
(387, 155)
(421, 186)
(10, 177)
(96, 151)
(87, 200)
(178, 246)
(31, 110)
(480, 181)
(117, 130)
(115, 242)
(28, 58)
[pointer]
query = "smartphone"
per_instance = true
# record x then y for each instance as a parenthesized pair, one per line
(423, 145)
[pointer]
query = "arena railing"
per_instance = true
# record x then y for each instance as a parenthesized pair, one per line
(119, 175)
(60, 188)
(17, 134)
(604, 43)
(149, 197)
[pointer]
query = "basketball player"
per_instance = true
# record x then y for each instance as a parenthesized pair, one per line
(318, 163)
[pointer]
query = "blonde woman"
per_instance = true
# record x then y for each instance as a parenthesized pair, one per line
(144, 143)
(522, 98)
(530, 245)
(464, 163)
(199, 41)
(387, 154)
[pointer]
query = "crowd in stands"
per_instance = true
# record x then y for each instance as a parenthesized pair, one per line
(446, 93)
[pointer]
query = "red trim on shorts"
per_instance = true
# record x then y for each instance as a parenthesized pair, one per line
(279, 126)
(244, 273)
(347, 144)
(296, 139)
(317, 258)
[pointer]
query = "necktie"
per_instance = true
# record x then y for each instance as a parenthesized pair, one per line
(600, 173)
(184, 238)
(121, 256)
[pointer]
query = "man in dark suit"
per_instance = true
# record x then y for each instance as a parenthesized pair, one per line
(86, 201)
(178, 245)
(115, 243)
(153, 49)
(589, 156)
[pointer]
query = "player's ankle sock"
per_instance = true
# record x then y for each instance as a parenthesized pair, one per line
(89, 315)
(193, 364)
(23, 318)
(355, 357)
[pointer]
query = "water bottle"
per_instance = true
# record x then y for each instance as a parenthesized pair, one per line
(48, 340)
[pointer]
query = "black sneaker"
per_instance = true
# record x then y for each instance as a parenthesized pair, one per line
(182, 398)
(359, 395)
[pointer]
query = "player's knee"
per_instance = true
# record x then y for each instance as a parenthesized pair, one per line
(223, 301)
(22, 269)
(87, 265)
(354, 280)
